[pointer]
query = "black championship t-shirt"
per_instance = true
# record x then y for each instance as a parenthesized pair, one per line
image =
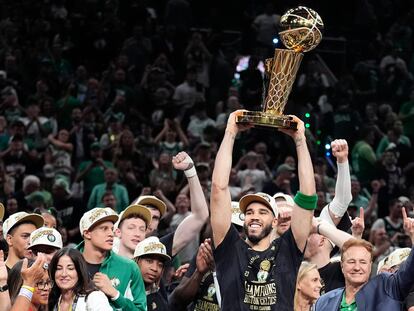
(155, 301)
(92, 269)
(409, 300)
(167, 240)
(253, 280)
(332, 277)
(206, 299)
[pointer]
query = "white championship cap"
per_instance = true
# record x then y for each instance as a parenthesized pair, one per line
(17, 218)
(46, 236)
(151, 246)
(95, 215)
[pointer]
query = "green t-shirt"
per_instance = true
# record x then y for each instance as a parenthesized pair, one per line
(385, 142)
(347, 307)
(95, 176)
(4, 141)
(363, 161)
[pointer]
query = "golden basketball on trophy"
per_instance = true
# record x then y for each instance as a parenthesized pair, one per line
(300, 32)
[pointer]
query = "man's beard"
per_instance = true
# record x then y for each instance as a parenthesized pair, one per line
(257, 238)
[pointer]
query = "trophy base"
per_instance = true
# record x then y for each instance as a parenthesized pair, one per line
(260, 118)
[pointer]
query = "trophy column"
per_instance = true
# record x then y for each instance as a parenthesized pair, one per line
(281, 69)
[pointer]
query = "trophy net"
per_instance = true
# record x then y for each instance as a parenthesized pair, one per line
(281, 69)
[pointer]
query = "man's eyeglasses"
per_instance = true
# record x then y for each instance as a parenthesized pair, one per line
(42, 285)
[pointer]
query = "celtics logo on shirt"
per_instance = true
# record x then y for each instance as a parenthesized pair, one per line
(260, 285)
(264, 271)
(208, 300)
(211, 292)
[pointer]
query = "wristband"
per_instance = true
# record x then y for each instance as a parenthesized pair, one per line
(317, 228)
(26, 293)
(28, 288)
(190, 172)
(307, 202)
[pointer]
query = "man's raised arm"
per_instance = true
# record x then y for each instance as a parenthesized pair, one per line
(306, 198)
(191, 226)
(220, 200)
(335, 210)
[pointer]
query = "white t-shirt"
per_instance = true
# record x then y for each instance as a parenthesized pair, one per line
(185, 95)
(96, 301)
(197, 126)
(33, 129)
(254, 177)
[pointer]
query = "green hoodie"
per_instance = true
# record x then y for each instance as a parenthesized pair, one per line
(126, 278)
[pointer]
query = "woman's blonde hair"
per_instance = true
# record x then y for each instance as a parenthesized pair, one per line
(304, 269)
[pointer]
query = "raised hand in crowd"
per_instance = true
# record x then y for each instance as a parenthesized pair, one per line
(145, 191)
(204, 259)
(181, 271)
(189, 288)
(34, 274)
(170, 206)
(408, 225)
(339, 149)
(31, 276)
(182, 161)
(358, 225)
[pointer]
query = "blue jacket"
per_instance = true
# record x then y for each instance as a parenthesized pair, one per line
(384, 292)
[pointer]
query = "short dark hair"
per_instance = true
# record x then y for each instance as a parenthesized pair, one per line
(392, 202)
(82, 287)
(133, 215)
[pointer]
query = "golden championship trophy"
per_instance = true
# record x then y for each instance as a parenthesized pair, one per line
(301, 32)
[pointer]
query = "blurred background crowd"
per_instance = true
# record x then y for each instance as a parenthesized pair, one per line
(98, 95)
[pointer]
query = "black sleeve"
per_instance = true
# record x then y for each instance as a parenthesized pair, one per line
(289, 248)
(409, 300)
(192, 267)
(228, 246)
(168, 240)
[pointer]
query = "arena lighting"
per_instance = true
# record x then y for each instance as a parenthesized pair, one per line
(328, 154)
(318, 142)
(307, 125)
(307, 115)
(275, 41)
(327, 146)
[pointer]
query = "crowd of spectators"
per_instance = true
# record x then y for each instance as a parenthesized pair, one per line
(97, 96)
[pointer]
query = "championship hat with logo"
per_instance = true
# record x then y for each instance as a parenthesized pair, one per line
(46, 237)
(20, 217)
(151, 246)
(96, 215)
(151, 201)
